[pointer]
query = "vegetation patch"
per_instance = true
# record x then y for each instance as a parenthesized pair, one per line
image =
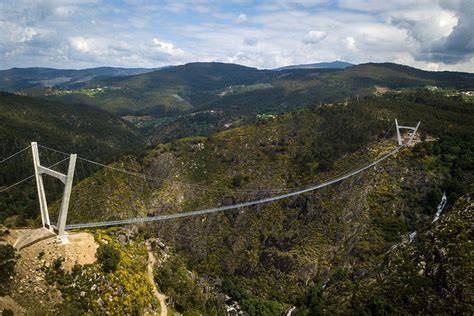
(117, 283)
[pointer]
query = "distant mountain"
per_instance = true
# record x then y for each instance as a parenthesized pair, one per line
(325, 65)
(236, 90)
(16, 79)
(202, 76)
(291, 89)
(169, 91)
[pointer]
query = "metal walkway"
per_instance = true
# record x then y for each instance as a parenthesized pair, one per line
(231, 207)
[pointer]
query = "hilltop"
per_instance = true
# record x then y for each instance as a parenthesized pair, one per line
(50, 278)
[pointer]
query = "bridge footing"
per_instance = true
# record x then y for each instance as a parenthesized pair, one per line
(63, 239)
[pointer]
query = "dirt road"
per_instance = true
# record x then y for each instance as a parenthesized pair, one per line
(161, 298)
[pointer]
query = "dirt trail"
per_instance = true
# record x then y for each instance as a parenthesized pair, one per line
(161, 298)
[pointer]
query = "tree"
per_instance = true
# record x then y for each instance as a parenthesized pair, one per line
(259, 307)
(108, 257)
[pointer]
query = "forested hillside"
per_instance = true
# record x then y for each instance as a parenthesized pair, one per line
(237, 158)
(239, 90)
(241, 134)
(169, 91)
(291, 90)
(429, 273)
(314, 251)
(81, 129)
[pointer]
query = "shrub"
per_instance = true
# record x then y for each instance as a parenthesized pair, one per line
(262, 307)
(234, 291)
(188, 298)
(108, 257)
(239, 180)
(15, 221)
(7, 266)
(339, 275)
(55, 272)
(7, 312)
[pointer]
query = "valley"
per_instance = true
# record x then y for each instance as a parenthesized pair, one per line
(225, 134)
(236, 158)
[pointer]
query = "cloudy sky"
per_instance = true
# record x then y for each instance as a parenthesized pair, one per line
(428, 34)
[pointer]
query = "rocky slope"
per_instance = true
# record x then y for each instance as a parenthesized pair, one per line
(273, 256)
(429, 274)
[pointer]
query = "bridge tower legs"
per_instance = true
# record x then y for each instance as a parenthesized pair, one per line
(412, 135)
(67, 179)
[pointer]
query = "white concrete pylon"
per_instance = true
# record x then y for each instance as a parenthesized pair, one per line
(67, 179)
(412, 135)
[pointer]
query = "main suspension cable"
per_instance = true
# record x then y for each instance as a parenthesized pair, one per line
(13, 155)
(28, 178)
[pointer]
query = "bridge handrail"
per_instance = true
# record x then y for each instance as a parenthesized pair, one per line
(230, 207)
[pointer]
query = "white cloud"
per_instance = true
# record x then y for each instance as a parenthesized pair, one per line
(351, 44)
(378, 5)
(242, 18)
(68, 33)
(424, 24)
(14, 33)
(81, 44)
(314, 37)
(167, 48)
(64, 11)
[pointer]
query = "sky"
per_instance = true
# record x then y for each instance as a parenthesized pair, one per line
(427, 34)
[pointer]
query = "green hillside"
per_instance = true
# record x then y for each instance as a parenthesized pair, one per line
(87, 131)
(300, 88)
(168, 91)
(240, 90)
(429, 275)
(299, 251)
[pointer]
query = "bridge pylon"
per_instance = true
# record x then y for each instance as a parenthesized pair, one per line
(412, 134)
(67, 179)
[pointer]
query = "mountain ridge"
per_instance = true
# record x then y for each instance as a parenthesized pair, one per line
(15, 79)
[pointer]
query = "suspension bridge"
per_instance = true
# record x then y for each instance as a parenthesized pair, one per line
(67, 178)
